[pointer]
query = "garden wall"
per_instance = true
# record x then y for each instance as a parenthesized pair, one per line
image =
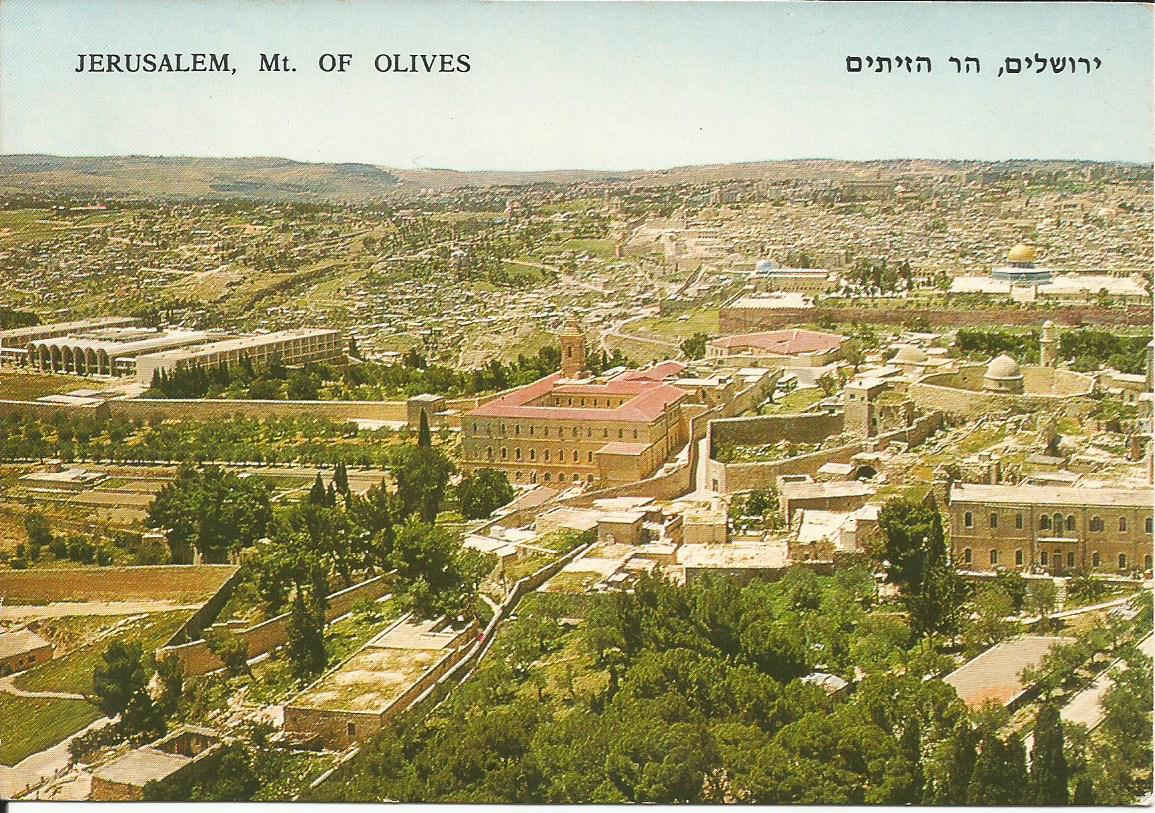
(198, 659)
(803, 427)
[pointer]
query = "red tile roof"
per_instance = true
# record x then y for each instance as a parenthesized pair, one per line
(649, 401)
(659, 372)
(783, 342)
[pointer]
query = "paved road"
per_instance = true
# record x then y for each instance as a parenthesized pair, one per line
(7, 686)
(10, 612)
(44, 765)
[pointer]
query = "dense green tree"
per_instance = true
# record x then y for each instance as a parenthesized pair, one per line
(422, 475)
(424, 436)
(1049, 774)
(213, 510)
(306, 644)
(482, 492)
(694, 347)
(999, 776)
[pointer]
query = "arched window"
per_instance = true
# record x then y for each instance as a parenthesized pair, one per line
(575, 457)
(533, 454)
(994, 520)
(1095, 560)
(517, 454)
(489, 453)
(547, 477)
(547, 455)
(966, 556)
(1147, 562)
(1122, 524)
(1097, 524)
(504, 453)
(1070, 522)
(1058, 520)
(1044, 523)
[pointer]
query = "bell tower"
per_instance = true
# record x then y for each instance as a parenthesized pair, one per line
(573, 349)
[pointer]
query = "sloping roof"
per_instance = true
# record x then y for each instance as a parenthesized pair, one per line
(649, 401)
(782, 342)
(994, 675)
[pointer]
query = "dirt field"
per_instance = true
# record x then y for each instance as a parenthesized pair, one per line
(185, 584)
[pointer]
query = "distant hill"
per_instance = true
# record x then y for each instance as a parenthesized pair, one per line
(280, 179)
(276, 179)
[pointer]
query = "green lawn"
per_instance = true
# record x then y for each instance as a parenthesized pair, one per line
(31, 724)
(599, 248)
(797, 401)
(671, 327)
(73, 672)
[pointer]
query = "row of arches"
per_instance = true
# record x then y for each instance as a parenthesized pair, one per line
(70, 359)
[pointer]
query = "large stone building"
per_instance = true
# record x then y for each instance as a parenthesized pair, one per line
(290, 346)
(1052, 529)
(565, 428)
(793, 347)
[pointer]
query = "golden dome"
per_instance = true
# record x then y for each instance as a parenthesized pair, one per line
(1021, 253)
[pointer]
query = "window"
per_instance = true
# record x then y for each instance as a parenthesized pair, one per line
(504, 453)
(1070, 558)
(575, 457)
(994, 520)
(968, 519)
(635, 434)
(1042, 557)
(575, 431)
(517, 454)
(517, 429)
(1122, 561)
(531, 431)
(351, 729)
(1070, 522)
(1097, 524)
(533, 454)
(1147, 562)
(620, 435)
(1044, 524)
(1122, 524)
(589, 457)
(547, 455)
(605, 432)
(966, 556)
(518, 475)
(489, 453)
(547, 477)
(1019, 523)
(1095, 559)
(994, 556)
(1148, 525)
(1019, 557)
(1058, 522)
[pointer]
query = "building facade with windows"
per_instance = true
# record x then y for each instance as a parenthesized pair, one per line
(1052, 529)
(566, 428)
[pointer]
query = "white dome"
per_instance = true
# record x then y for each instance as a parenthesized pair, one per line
(909, 354)
(1003, 367)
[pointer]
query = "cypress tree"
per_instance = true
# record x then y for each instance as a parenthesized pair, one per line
(317, 492)
(1049, 773)
(1084, 792)
(961, 766)
(341, 478)
(999, 776)
(424, 436)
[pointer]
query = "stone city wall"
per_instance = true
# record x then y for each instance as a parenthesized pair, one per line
(748, 320)
(803, 427)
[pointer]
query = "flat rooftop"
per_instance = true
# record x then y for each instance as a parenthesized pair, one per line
(760, 555)
(1053, 495)
(242, 343)
(141, 766)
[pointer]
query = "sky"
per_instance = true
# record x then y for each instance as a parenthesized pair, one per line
(603, 85)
